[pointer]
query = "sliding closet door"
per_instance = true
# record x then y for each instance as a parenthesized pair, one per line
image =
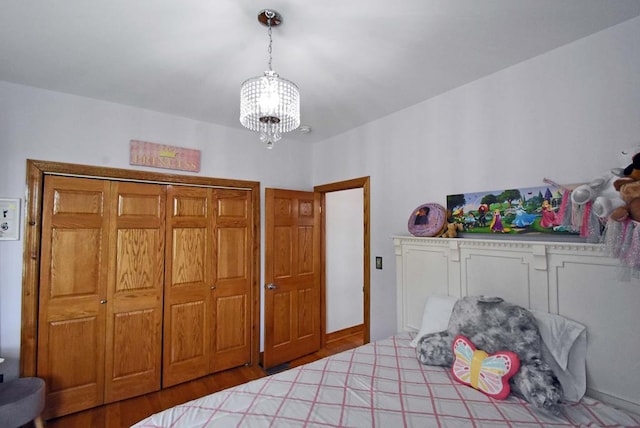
(134, 297)
(188, 319)
(232, 292)
(73, 292)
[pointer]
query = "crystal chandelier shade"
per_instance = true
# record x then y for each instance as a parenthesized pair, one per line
(269, 104)
(269, 96)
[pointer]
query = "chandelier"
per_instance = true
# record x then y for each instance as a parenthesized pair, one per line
(269, 104)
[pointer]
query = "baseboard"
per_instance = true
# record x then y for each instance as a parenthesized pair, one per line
(614, 401)
(345, 332)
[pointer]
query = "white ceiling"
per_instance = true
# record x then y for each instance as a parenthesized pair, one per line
(353, 60)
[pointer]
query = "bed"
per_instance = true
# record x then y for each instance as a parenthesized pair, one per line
(383, 383)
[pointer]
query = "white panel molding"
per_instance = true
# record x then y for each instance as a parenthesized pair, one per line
(575, 280)
(484, 269)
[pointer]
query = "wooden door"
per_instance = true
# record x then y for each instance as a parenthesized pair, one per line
(189, 285)
(73, 292)
(207, 321)
(100, 291)
(232, 297)
(134, 298)
(80, 324)
(292, 275)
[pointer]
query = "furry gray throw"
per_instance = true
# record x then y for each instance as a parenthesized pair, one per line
(494, 325)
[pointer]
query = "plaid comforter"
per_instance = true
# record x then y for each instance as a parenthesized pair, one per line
(380, 384)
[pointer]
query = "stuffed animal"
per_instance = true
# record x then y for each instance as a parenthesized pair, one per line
(601, 192)
(495, 326)
(629, 189)
(633, 169)
(451, 230)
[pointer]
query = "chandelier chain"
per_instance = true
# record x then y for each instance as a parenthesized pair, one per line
(270, 43)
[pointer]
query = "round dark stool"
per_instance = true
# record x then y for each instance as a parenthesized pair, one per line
(21, 401)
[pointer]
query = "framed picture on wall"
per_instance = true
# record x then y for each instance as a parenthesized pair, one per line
(521, 211)
(9, 219)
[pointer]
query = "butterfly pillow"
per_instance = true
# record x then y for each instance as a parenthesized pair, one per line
(488, 374)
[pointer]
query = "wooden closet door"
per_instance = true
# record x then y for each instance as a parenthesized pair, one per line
(189, 285)
(135, 287)
(73, 292)
(232, 293)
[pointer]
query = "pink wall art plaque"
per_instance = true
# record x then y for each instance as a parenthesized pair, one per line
(163, 156)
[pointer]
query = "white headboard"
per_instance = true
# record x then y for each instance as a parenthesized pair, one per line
(575, 280)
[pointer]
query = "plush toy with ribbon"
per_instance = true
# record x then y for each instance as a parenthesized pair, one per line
(602, 191)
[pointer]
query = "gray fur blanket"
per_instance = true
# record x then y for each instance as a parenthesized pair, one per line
(494, 325)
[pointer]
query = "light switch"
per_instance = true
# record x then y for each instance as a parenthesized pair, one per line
(378, 262)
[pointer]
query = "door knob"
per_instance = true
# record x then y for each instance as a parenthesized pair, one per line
(271, 286)
(213, 287)
(103, 301)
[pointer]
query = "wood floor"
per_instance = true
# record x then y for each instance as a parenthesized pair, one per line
(126, 413)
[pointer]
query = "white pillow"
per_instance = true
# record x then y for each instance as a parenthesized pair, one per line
(435, 317)
(565, 350)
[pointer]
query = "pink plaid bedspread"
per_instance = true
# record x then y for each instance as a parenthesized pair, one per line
(381, 384)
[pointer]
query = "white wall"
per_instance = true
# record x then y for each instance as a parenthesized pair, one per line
(564, 115)
(45, 125)
(344, 271)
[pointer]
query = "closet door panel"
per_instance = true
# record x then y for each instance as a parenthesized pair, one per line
(73, 284)
(232, 293)
(188, 285)
(134, 301)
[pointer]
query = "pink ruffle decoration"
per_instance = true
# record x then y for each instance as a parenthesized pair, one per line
(621, 239)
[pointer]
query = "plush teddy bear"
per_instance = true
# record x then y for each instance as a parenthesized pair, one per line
(493, 326)
(629, 189)
(633, 169)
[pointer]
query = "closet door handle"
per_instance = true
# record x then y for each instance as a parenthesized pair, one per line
(213, 287)
(103, 301)
(271, 286)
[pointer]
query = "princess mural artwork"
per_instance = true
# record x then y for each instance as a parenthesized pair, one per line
(496, 222)
(523, 218)
(516, 211)
(548, 219)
